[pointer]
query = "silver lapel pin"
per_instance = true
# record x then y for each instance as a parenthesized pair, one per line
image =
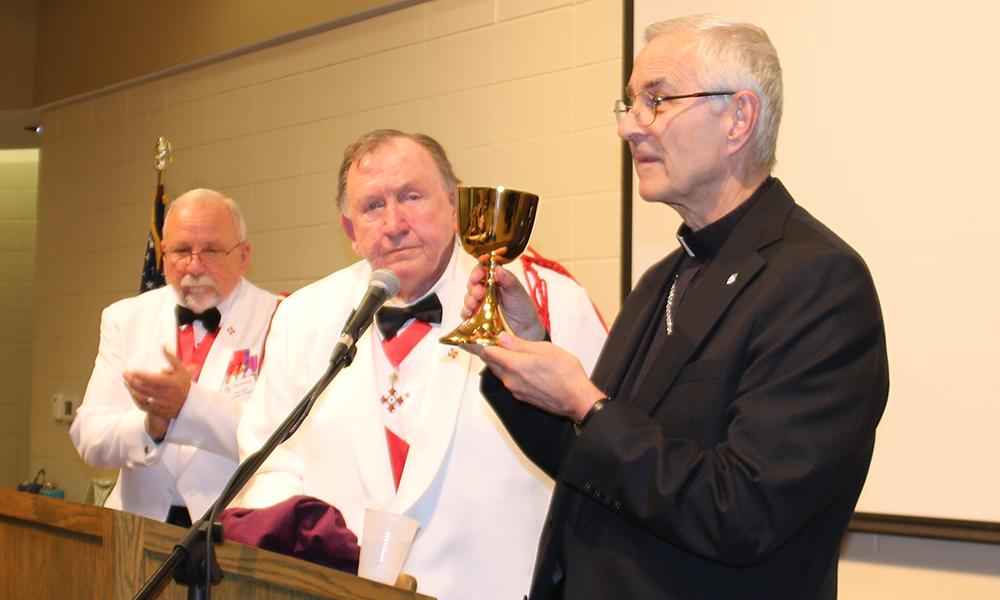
(732, 279)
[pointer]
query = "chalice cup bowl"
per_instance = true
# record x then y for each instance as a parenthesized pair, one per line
(494, 221)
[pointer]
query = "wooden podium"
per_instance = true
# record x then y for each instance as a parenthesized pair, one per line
(52, 548)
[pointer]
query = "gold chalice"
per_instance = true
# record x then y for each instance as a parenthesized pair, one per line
(494, 221)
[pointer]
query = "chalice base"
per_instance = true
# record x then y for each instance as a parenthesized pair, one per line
(483, 327)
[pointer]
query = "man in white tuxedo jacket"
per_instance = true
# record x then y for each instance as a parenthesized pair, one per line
(404, 429)
(175, 367)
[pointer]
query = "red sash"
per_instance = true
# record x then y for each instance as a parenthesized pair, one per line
(191, 355)
(396, 349)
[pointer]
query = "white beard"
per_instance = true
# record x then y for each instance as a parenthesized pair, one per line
(202, 300)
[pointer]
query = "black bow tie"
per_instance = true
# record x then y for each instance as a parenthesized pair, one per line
(389, 319)
(210, 318)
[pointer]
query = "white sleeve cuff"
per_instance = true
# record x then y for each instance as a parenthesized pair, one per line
(139, 445)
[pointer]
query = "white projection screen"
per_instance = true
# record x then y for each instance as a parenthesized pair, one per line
(890, 136)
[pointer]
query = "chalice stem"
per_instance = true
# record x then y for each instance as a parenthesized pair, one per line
(491, 289)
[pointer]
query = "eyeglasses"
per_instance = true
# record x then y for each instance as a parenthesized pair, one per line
(208, 256)
(644, 105)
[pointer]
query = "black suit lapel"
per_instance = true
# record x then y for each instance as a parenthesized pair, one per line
(723, 279)
(625, 338)
(702, 309)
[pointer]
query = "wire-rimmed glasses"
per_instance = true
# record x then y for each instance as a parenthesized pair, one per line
(644, 105)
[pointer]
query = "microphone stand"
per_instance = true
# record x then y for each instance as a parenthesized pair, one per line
(192, 562)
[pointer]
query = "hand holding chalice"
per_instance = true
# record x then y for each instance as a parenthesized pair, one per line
(494, 221)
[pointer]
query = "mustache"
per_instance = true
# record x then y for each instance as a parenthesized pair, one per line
(198, 280)
(201, 301)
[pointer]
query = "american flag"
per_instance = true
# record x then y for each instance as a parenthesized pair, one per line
(152, 265)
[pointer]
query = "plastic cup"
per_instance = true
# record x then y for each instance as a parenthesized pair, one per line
(385, 542)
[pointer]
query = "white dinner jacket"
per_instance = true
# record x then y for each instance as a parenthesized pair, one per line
(199, 451)
(480, 502)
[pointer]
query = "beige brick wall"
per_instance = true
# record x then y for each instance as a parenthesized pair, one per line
(518, 92)
(18, 189)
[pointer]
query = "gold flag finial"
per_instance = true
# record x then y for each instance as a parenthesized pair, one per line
(163, 154)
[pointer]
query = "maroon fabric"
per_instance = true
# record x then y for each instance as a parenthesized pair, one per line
(301, 526)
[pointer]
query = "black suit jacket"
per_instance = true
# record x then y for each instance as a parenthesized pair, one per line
(733, 469)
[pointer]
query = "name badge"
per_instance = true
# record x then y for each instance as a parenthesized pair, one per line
(239, 388)
(241, 375)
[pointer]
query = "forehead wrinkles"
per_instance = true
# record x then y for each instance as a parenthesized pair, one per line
(373, 161)
(666, 63)
(371, 167)
(399, 168)
(207, 225)
(393, 159)
(372, 175)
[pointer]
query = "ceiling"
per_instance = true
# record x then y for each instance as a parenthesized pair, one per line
(17, 77)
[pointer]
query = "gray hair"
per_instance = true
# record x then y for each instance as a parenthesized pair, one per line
(373, 140)
(202, 195)
(737, 55)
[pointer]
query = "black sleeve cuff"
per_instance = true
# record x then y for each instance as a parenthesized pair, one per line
(596, 408)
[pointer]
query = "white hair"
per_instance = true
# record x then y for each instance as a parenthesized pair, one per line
(201, 195)
(736, 55)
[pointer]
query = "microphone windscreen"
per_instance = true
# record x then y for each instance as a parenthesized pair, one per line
(387, 280)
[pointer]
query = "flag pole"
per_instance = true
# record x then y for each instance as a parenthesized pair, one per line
(152, 268)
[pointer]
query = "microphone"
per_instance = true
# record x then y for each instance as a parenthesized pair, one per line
(383, 284)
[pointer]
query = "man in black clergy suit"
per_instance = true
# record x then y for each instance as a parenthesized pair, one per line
(721, 445)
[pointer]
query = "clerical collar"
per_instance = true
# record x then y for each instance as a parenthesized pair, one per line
(707, 241)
